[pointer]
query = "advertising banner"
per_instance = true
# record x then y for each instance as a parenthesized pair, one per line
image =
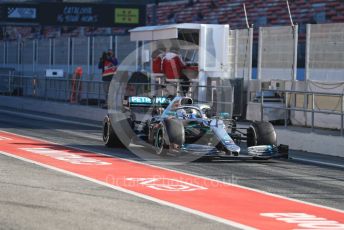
(20, 13)
(99, 15)
(74, 14)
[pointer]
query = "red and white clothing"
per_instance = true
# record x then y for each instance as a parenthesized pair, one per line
(109, 68)
(157, 63)
(172, 65)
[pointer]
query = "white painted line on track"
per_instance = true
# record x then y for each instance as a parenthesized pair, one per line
(305, 160)
(88, 135)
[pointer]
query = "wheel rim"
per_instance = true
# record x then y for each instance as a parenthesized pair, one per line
(106, 132)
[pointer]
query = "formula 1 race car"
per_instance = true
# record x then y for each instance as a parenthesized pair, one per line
(187, 128)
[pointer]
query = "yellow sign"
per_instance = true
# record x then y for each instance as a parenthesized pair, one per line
(127, 15)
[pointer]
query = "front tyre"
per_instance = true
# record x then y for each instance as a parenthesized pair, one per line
(261, 133)
(175, 131)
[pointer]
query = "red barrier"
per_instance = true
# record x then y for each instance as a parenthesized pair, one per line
(76, 85)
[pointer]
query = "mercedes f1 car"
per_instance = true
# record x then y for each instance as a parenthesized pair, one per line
(179, 125)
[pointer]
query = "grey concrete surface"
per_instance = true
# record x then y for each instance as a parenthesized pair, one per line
(51, 107)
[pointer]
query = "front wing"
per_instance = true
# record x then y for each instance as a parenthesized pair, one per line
(252, 153)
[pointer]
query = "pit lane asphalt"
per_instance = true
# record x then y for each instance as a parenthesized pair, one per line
(33, 197)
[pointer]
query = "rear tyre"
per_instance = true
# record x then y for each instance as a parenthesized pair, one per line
(159, 143)
(261, 133)
(109, 136)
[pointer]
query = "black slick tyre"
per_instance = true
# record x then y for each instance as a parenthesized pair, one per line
(175, 131)
(109, 136)
(261, 133)
(159, 143)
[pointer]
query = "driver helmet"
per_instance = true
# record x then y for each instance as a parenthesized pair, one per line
(181, 114)
(193, 114)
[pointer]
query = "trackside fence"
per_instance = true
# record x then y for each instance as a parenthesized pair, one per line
(34, 56)
(74, 90)
(307, 102)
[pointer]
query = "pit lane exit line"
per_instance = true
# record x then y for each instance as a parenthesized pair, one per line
(230, 204)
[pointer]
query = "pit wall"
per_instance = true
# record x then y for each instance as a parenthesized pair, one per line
(311, 142)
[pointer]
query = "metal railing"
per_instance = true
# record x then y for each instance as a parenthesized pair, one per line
(74, 90)
(291, 99)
